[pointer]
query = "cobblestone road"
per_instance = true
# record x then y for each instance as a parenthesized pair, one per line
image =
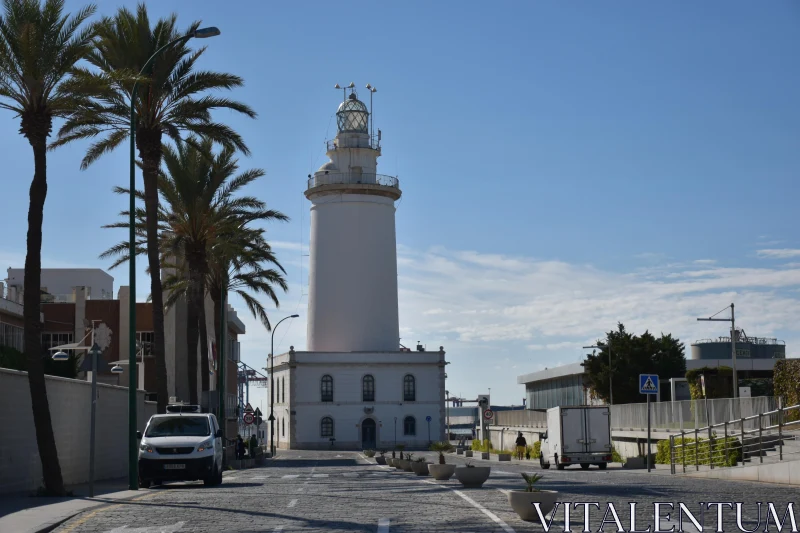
(341, 491)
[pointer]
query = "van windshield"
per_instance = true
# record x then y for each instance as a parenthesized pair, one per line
(179, 426)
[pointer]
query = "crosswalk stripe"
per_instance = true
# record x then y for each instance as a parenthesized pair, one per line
(291, 476)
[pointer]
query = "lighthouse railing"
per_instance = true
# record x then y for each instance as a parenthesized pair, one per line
(353, 178)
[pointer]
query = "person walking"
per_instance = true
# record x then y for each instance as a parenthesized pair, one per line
(522, 444)
(239, 447)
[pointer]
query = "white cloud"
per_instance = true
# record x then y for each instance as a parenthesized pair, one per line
(779, 253)
(502, 316)
(704, 261)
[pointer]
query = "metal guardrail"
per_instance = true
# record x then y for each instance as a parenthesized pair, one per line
(689, 414)
(337, 178)
(718, 445)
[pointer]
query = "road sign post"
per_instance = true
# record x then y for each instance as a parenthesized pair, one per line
(428, 420)
(648, 385)
(95, 351)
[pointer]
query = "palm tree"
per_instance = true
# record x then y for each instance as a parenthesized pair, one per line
(199, 215)
(39, 47)
(171, 100)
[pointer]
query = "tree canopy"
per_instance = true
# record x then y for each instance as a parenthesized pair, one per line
(632, 355)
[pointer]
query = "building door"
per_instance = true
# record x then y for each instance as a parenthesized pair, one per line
(368, 440)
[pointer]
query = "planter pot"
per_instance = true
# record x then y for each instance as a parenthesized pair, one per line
(460, 451)
(485, 455)
(369, 453)
(522, 503)
(468, 453)
(381, 460)
(390, 461)
(420, 469)
(441, 472)
(473, 477)
(407, 465)
(503, 456)
(400, 464)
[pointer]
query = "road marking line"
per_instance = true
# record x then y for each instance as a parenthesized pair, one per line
(383, 525)
(504, 491)
(259, 477)
(292, 503)
(277, 529)
(319, 475)
(350, 474)
(291, 476)
(229, 478)
(496, 519)
(300, 489)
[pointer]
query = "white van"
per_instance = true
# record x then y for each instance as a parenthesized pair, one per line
(182, 445)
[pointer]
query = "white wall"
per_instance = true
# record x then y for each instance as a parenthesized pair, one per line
(347, 409)
(70, 409)
(352, 302)
(60, 281)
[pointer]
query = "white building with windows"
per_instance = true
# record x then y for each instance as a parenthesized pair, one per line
(355, 387)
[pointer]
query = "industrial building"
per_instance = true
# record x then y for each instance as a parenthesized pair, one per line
(755, 356)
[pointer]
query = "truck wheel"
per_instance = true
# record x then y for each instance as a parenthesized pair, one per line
(560, 467)
(585, 466)
(144, 483)
(544, 465)
(603, 466)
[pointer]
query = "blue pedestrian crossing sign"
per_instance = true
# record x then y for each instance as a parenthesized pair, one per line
(648, 383)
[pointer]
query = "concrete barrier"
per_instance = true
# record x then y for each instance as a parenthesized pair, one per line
(70, 411)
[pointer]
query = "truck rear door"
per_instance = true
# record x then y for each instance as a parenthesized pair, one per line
(572, 430)
(598, 433)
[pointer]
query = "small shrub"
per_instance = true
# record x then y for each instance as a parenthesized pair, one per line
(530, 481)
(734, 454)
(616, 457)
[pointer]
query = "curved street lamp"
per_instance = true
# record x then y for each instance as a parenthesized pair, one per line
(133, 475)
(272, 387)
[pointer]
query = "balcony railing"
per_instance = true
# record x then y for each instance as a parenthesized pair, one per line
(373, 142)
(337, 178)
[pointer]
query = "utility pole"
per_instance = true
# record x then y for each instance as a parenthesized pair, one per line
(732, 320)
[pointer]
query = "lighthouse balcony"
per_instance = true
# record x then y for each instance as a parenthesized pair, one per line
(352, 178)
(354, 140)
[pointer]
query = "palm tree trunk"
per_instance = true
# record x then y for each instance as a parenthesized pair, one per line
(192, 330)
(149, 143)
(45, 438)
(201, 318)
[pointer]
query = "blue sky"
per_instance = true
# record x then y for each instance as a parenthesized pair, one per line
(564, 166)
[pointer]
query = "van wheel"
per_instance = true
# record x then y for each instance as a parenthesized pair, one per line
(560, 467)
(144, 483)
(585, 466)
(602, 466)
(542, 464)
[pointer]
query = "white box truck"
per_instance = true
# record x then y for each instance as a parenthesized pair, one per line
(577, 435)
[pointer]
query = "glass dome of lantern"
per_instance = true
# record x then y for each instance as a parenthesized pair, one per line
(352, 116)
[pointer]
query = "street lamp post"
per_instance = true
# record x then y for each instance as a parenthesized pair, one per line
(610, 372)
(447, 413)
(272, 387)
(133, 476)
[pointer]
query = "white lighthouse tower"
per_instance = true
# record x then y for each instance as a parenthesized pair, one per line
(355, 387)
(352, 302)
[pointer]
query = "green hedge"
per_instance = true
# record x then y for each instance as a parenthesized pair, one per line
(734, 454)
(485, 446)
(786, 380)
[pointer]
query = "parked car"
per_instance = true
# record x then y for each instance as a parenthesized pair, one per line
(182, 445)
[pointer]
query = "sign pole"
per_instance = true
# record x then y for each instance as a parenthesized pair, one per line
(648, 432)
(94, 351)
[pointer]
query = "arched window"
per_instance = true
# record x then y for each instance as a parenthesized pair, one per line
(326, 427)
(326, 388)
(409, 388)
(368, 389)
(409, 426)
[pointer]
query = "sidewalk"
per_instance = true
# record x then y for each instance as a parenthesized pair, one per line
(22, 513)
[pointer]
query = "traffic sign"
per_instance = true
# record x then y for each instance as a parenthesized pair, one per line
(249, 418)
(248, 408)
(648, 383)
(488, 414)
(428, 418)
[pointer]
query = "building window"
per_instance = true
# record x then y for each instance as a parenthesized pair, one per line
(283, 390)
(283, 426)
(368, 389)
(51, 340)
(12, 336)
(327, 388)
(278, 391)
(145, 340)
(409, 388)
(409, 426)
(326, 427)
